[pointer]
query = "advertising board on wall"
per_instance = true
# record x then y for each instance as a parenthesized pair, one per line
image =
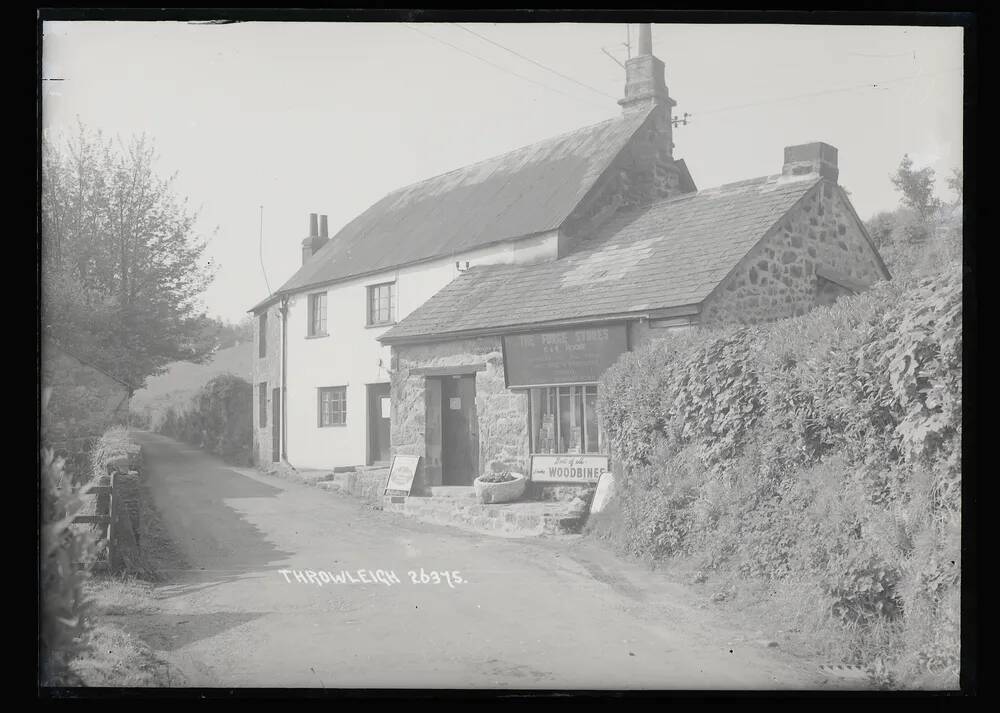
(568, 468)
(569, 356)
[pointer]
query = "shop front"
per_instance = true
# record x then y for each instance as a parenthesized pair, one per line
(526, 399)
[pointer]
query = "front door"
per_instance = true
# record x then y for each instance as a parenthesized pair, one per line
(276, 425)
(378, 424)
(459, 430)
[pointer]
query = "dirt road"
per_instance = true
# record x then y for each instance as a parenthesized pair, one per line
(519, 614)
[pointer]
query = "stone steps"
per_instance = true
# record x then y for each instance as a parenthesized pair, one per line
(521, 519)
(452, 491)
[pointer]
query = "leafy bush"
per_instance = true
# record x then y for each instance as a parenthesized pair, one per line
(218, 419)
(825, 448)
(67, 553)
(501, 477)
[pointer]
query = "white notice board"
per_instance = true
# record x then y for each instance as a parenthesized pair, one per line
(401, 474)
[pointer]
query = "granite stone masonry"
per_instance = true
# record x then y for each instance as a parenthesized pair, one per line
(818, 248)
(502, 414)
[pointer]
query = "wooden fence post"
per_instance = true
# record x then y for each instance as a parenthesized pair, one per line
(114, 561)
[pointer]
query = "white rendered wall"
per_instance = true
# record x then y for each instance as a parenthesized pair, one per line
(351, 356)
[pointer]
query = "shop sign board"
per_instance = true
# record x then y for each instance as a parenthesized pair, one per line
(401, 474)
(569, 356)
(568, 468)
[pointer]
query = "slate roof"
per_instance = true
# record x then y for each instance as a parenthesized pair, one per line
(672, 253)
(524, 192)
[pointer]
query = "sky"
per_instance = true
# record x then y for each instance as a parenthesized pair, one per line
(266, 122)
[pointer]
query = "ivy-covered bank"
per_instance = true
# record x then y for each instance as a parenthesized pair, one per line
(820, 454)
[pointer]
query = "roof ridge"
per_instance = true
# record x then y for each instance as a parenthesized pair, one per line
(524, 147)
(501, 188)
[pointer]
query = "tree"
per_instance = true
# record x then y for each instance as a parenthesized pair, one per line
(216, 334)
(956, 182)
(121, 259)
(917, 187)
(882, 228)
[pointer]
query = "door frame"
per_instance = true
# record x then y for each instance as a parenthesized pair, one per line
(473, 442)
(369, 444)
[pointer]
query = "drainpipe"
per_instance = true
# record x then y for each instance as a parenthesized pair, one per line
(283, 435)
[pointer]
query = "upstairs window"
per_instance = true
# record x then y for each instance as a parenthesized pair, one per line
(332, 406)
(381, 309)
(317, 315)
(262, 335)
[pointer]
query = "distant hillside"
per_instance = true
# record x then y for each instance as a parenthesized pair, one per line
(182, 379)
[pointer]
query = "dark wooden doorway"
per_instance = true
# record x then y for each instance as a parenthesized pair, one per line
(459, 430)
(276, 425)
(378, 424)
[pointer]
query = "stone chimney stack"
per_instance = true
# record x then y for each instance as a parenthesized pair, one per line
(645, 85)
(318, 236)
(812, 158)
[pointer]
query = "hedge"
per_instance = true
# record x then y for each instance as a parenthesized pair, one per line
(824, 448)
(218, 419)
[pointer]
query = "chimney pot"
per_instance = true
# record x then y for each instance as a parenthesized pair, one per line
(645, 40)
(313, 231)
(323, 228)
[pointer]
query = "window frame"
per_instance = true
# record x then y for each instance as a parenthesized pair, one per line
(313, 298)
(370, 314)
(576, 392)
(262, 404)
(320, 391)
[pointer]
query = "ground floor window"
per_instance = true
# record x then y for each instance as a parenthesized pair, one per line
(564, 419)
(332, 406)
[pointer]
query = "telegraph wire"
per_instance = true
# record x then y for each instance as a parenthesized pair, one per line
(497, 66)
(870, 85)
(534, 62)
(260, 250)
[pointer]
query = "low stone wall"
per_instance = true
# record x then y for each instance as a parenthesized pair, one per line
(559, 491)
(126, 545)
(115, 451)
(365, 483)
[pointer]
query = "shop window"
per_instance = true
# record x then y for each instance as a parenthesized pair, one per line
(564, 419)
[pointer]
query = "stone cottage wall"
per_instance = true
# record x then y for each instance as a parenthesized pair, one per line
(643, 172)
(265, 369)
(777, 279)
(502, 414)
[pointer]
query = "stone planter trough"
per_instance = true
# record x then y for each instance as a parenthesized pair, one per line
(500, 492)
